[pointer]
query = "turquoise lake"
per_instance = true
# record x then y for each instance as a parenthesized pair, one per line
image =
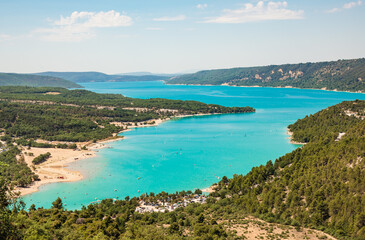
(192, 152)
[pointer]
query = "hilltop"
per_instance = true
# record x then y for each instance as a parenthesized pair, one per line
(341, 75)
(13, 79)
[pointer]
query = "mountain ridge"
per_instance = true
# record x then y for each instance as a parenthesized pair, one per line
(14, 79)
(341, 75)
(84, 77)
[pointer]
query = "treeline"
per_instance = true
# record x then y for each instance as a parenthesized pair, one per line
(32, 143)
(343, 75)
(41, 158)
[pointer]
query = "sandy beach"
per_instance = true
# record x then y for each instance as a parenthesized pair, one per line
(55, 168)
(209, 189)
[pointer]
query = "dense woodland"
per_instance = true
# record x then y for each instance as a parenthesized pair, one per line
(343, 75)
(320, 185)
(12, 79)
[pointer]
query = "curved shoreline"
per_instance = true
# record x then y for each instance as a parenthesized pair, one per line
(55, 170)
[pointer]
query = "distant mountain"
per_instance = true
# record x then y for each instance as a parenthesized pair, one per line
(136, 73)
(131, 78)
(13, 79)
(83, 77)
(79, 77)
(342, 75)
(149, 74)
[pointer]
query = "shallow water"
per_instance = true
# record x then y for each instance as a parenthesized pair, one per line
(192, 152)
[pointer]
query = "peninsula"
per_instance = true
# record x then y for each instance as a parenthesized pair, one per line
(67, 124)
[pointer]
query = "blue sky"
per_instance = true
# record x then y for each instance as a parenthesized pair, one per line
(169, 36)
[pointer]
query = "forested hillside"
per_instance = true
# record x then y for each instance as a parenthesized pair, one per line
(83, 77)
(12, 79)
(320, 185)
(342, 75)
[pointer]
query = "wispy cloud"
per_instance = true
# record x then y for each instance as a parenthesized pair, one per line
(81, 25)
(154, 29)
(5, 37)
(346, 6)
(262, 11)
(170, 19)
(352, 4)
(202, 6)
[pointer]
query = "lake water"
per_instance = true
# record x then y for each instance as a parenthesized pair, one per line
(193, 152)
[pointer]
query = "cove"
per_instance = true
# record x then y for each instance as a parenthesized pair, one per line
(192, 152)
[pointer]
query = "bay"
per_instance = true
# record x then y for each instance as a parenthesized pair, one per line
(193, 152)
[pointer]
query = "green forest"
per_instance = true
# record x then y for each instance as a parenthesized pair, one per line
(13, 79)
(320, 185)
(342, 75)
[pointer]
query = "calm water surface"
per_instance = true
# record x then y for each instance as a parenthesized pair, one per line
(191, 152)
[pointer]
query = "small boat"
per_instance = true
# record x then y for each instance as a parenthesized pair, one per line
(138, 178)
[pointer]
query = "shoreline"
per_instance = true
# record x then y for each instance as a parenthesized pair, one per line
(210, 189)
(257, 86)
(55, 170)
(291, 138)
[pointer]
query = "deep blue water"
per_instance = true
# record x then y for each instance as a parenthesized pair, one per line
(192, 152)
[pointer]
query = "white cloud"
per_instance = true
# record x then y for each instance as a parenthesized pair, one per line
(80, 25)
(333, 10)
(170, 19)
(346, 6)
(352, 4)
(262, 11)
(202, 6)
